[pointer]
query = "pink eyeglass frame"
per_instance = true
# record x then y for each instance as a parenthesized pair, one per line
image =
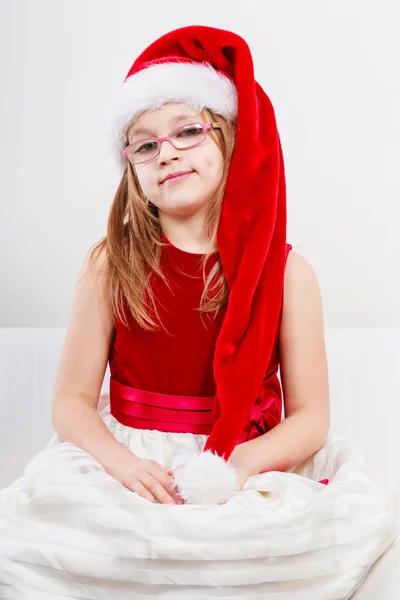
(205, 126)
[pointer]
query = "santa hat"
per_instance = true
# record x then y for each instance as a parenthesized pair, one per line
(206, 67)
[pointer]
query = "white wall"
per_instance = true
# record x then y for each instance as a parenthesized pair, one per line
(331, 71)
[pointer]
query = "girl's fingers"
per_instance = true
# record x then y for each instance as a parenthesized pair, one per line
(167, 482)
(172, 471)
(157, 489)
(140, 489)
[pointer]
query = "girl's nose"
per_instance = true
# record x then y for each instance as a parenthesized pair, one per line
(167, 151)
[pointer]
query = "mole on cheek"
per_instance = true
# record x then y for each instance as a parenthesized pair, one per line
(209, 162)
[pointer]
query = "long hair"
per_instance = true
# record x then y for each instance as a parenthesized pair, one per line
(132, 246)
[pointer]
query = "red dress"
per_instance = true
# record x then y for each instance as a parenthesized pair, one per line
(158, 376)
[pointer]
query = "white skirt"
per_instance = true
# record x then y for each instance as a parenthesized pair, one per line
(69, 530)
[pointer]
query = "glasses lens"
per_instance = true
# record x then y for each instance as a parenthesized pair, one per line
(142, 151)
(188, 135)
(184, 137)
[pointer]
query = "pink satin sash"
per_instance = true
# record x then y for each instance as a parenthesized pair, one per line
(171, 414)
(150, 410)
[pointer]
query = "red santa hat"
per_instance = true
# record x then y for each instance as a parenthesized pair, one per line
(206, 67)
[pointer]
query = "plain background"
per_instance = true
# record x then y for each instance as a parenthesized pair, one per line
(331, 71)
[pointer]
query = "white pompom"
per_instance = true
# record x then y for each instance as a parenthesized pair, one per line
(206, 479)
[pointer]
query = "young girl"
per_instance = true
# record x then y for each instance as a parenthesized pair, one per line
(188, 483)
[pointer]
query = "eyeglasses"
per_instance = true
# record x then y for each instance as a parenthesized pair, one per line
(183, 138)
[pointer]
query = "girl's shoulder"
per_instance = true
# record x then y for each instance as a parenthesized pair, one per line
(302, 309)
(298, 268)
(301, 286)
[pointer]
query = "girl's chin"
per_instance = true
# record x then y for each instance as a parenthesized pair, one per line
(181, 207)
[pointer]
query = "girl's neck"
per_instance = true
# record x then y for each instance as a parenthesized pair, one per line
(188, 236)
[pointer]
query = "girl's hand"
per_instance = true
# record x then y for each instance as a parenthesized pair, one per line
(242, 477)
(147, 478)
(240, 460)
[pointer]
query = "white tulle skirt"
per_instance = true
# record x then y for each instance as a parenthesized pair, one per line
(69, 530)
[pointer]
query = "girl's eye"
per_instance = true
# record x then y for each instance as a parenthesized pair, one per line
(190, 131)
(146, 148)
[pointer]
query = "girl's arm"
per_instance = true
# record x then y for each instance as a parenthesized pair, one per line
(78, 385)
(304, 377)
(82, 367)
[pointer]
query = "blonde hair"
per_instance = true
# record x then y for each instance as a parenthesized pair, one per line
(132, 246)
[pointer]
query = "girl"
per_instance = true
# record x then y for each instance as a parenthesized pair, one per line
(188, 483)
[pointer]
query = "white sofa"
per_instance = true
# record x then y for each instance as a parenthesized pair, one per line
(364, 369)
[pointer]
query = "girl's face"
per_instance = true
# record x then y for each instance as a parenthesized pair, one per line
(189, 196)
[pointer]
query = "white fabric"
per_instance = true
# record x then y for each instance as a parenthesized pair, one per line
(70, 530)
(383, 580)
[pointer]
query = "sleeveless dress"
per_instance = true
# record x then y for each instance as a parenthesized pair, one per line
(167, 368)
(69, 530)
